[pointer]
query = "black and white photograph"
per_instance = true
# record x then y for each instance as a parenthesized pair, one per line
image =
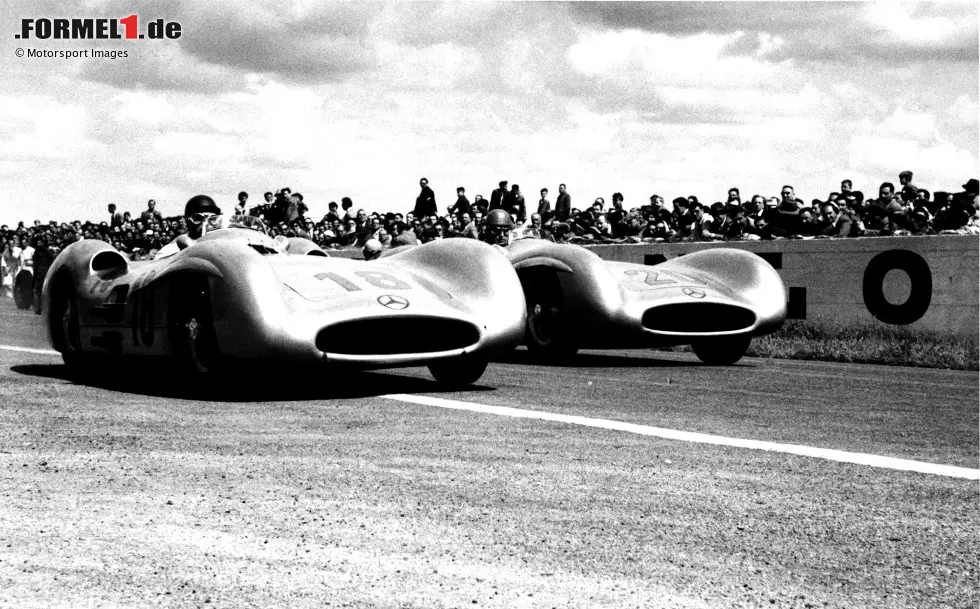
(505, 304)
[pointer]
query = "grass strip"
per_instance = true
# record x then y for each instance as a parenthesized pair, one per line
(888, 345)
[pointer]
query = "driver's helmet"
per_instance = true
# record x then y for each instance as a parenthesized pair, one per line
(199, 208)
(499, 225)
(372, 249)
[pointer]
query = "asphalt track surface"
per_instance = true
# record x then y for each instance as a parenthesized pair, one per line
(312, 489)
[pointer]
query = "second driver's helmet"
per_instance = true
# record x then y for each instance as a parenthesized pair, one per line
(200, 204)
(499, 225)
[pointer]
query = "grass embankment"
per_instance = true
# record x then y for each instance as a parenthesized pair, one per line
(869, 345)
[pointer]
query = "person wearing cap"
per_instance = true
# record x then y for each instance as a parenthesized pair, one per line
(905, 179)
(970, 190)
(197, 211)
(959, 211)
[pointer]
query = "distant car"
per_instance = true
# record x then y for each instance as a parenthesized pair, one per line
(238, 293)
(715, 300)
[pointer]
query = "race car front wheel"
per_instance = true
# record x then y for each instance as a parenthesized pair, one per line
(721, 351)
(459, 371)
(547, 334)
(192, 328)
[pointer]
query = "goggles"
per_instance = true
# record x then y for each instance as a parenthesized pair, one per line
(200, 217)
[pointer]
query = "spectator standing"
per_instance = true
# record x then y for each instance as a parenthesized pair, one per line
(617, 216)
(905, 179)
(242, 203)
(480, 205)
(515, 203)
(544, 205)
(462, 205)
(425, 203)
(115, 217)
(563, 204)
(151, 214)
(497, 196)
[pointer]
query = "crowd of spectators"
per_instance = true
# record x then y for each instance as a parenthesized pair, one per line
(903, 210)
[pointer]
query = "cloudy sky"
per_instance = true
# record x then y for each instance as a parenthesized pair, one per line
(362, 99)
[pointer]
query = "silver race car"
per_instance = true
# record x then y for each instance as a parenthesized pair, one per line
(238, 293)
(715, 300)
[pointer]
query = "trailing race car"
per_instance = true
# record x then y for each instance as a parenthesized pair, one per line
(715, 300)
(238, 293)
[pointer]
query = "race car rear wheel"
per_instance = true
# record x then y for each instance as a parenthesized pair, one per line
(721, 351)
(195, 342)
(459, 371)
(24, 290)
(547, 334)
(65, 328)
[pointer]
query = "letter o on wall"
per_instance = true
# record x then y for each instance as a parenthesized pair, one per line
(920, 294)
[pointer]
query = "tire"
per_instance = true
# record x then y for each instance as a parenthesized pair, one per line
(547, 334)
(24, 291)
(721, 351)
(65, 328)
(458, 371)
(195, 343)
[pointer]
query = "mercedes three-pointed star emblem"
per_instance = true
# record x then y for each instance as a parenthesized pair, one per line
(396, 303)
(694, 292)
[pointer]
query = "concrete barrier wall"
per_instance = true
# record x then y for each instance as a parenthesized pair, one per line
(928, 283)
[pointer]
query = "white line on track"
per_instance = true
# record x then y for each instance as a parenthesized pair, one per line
(687, 436)
(669, 434)
(28, 350)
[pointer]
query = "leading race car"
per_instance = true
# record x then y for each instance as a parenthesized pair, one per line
(715, 300)
(238, 293)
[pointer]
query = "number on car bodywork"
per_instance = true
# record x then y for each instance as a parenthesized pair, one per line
(383, 280)
(376, 278)
(651, 278)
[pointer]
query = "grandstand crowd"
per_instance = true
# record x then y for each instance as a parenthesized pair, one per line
(905, 209)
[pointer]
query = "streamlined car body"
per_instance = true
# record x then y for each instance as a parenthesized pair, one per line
(238, 293)
(716, 300)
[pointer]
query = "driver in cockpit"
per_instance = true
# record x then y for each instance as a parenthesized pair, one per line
(197, 211)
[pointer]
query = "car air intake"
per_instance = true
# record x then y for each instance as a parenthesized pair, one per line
(391, 335)
(698, 318)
